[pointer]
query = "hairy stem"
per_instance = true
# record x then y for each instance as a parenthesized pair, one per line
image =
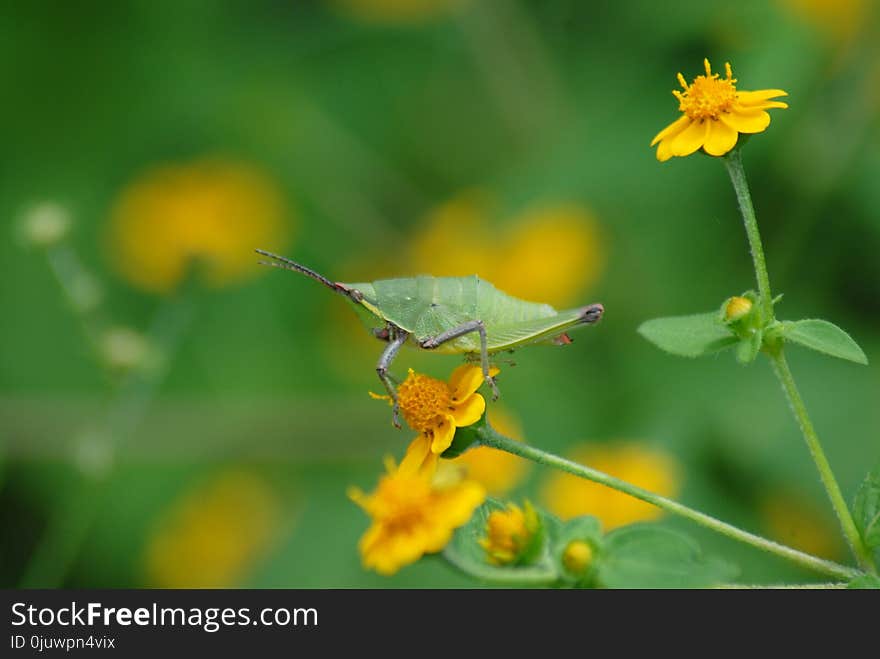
(733, 162)
(492, 438)
(850, 532)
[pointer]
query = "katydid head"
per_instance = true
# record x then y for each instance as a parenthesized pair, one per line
(592, 313)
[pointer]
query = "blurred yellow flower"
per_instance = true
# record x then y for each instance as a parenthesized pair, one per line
(498, 471)
(210, 213)
(413, 514)
(839, 19)
(569, 496)
(435, 408)
(214, 534)
(794, 521)
(714, 114)
(397, 11)
(510, 533)
(551, 252)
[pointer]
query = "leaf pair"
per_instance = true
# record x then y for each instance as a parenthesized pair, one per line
(706, 333)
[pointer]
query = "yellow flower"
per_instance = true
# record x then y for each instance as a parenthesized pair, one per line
(569, 496)
(397, 11)
(577, 557)
(210, 213)
(413, 514)
(566, 230)
(795, 521)
(551, 254)
(214, 535)
(498, 471)
(435, 408)
(736, 308)
(714, 114)
(510, 533)
(839, 19)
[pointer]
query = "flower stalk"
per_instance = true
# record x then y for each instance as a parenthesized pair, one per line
(490, 437)
(733, 162)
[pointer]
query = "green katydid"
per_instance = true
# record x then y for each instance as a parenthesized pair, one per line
(451, 315)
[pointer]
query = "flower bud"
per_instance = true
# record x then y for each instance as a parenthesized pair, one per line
(577, 557)
(45, 224)
(512, 535)
(124, 348)
(736, 308)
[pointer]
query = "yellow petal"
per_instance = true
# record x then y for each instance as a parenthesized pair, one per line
(418, 459)
(766, 105)
(754, 98)
(690, 139)
(469, 410)
(443, 435)
(664, 153)
(464, 381)
(720, 139)
(747, 122)
(672, 129)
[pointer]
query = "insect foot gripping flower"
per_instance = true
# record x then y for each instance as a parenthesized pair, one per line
(513, 535)
(435, 408)
(714, 114)
(414, 513)
(210, 212)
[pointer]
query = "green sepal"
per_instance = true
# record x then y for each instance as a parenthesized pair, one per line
(465, 552)
(689, 336)
(866, 510)
(865, 581)
(748, 348)
(588, 529)
(652, 556)
(824, 337)
(465, 438)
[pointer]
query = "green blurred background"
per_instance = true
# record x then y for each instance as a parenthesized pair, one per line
(204, 433)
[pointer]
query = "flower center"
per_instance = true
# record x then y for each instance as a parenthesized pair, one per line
(401, 502)
(708, 96)
(423, 401)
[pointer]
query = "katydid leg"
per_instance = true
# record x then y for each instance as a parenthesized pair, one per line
(466, 328)
(397, 339)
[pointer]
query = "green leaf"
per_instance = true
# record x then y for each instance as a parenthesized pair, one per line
(747, 349)
(866, 509)
(650, 556)
(867, 581)
(689, 336)
(465, 552)
(822, 336)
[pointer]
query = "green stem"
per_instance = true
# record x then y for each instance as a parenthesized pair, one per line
(490, 437)
(783, 586)
(783, 372)
(733, 162)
